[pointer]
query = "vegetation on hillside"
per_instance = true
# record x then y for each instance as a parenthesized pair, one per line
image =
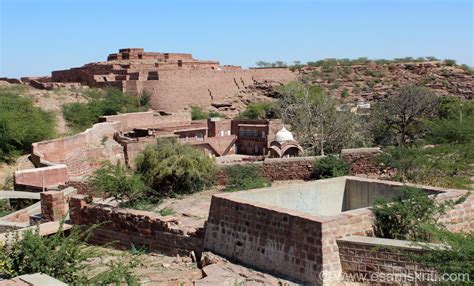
(402, 117)
(21, 124)
(83, 115)
(449, 162)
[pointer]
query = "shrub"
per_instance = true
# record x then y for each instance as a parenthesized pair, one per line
(457, 257)
(257, 110)
(118, 272)
(198, 114)
(83, 115)
(411, 216)
(331, 166)
(244, 177)
(118, 182)
(59, 255)
(449, 62)
(21, 124)
(171, 168)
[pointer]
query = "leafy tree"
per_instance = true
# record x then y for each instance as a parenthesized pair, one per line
(314, 119)
(401, 118)
(331, 166)
(21, 124)
(171, 168)
(119, 182)
(244, 177)
(411, 216)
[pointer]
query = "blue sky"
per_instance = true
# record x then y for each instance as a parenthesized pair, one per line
(38, 36)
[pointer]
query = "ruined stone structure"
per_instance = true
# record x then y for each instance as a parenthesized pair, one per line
(174, 80)
(295, 230)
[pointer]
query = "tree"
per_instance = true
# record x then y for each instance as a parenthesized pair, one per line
(331, 166)
(118, 182)
(401, 117)
(171, 168)
(21, 124)
(317, 124)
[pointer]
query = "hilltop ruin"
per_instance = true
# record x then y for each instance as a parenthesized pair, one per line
(176, 81)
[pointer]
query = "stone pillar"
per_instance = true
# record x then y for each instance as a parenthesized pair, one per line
(76, 203)
(53, 205)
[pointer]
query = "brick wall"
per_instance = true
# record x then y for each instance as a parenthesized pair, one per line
(278, 169)
(82, 153)
(53, 205)
(203, 87)
(372, 259)
(149, 119)
(270, 239)
(127, 227)
(362, 160)
(36, 180)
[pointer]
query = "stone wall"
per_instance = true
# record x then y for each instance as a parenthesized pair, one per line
(82, 153)
(269, 239)
(149, 119)
(362, 160)
(127, 227)
(278, 169)
(39, 179)
(378, 260)
(177, 89)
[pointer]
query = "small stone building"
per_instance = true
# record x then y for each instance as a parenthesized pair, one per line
(284, 145)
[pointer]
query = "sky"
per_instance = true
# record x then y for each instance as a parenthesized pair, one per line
(39, 36)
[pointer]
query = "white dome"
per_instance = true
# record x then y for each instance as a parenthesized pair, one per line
(283, 135)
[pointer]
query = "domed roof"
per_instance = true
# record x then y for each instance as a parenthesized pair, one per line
(283, 135)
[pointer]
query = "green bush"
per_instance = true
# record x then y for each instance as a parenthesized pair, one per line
(331, 166)
(21, 124)
(198, 114)
(63, 256)
(171, 168)
(258, 110)
(83, 115)
(119, 182)
(411, 216)
(457, 257)
(244, 177)
(59, 255)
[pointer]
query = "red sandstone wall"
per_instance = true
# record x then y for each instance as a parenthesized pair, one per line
(376, 263)
(37, 179)
(362, 160)
(124, 227)
(149, 119)
(271, 239)
(82, 153)
(177, 89)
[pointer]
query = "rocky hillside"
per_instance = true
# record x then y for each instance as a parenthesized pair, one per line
(373, 80)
